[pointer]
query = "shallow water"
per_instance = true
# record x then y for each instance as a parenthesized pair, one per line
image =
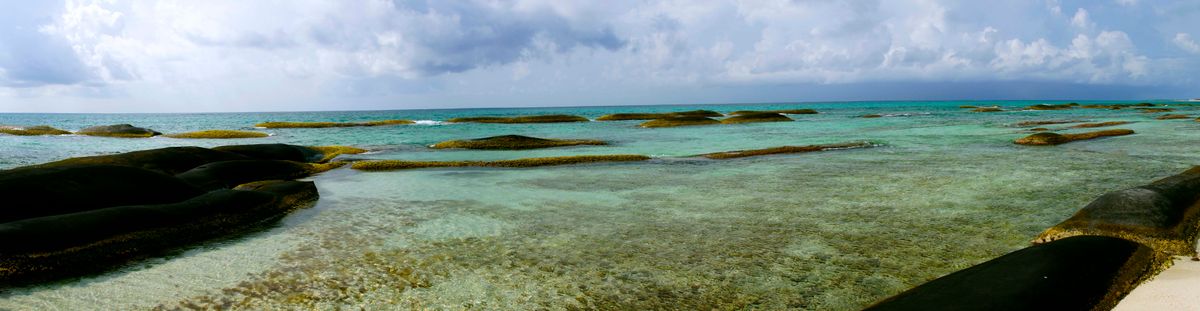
(834, 230)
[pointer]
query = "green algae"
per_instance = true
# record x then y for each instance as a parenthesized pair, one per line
(32, 130)
(514, 142)
(219, 134)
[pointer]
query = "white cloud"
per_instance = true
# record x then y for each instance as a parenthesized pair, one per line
(1185, 42)
(1081, 20)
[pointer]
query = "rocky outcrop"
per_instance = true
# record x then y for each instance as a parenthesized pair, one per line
(783, 150)
(219, 134)
(38, 192)
(555, 118)
(275, 152)
(678, 121)
(228, 174)
(118, 130)
(756, 117)
(31, 130)
(652, 116)
(1052, 107)
(513, 142)
(1045, 138)
(783, 111)
(171, 160)
(987, 109)
(389, 165)
(1099, 124)
(1173, 117)
(1047, 122)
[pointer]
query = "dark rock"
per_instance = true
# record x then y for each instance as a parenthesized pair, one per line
(172, 160)
(514, 142)
(118, 130)
(229, 174)
(44, 191)
(1049, 139)
(756, 117)
(275, 152)
(1078, 273)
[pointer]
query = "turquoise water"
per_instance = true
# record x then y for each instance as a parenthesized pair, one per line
(836, 230)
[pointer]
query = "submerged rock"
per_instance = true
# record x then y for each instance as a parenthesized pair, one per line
(968, 107)
(1048, 122)
(784, 149)
(514, 142)
(1173, 117)
(555, 118)
(1052, 107)
(43, 191)
(1154, 110)
(118, 130)
(678, 121)
(1099, 124)
(652, 116)
(1043, 139)
(286, 124)
(32, 130)
(987, 109)
(1162, 215)
(783, 111)
(388, 165)
(870, 116)
(219, 134)
(756, 117)
(1078, 273)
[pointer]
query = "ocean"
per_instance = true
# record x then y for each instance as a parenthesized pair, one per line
(943, 189)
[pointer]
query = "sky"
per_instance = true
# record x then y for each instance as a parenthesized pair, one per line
(290, 55)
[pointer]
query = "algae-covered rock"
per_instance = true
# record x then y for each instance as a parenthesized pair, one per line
(219, 134)
(1099, 124)
(555, 118)
(968, 107)
(756, 117)
(287, 124)
(32, 130)
(1173, 117)
(276, 152)
(782, 111)
(678, 121)
(1046, 122)
(1051, 107)
(1154, 110)
(987, 109)
(870, 116)
(118, 130)
(68, 245)
(784, 149)
(652, 116)
(1162, 215)
(333, 151)
(1078, 273)
(387, 165)
(43, 191)
(514, 142)
(171, 160)
(228, 174)
(1043, 139)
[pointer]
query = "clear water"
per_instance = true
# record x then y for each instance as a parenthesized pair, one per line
(826, 231)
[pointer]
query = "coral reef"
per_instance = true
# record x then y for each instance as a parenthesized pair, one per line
(513, 142)
(387, 165)
(219, 134)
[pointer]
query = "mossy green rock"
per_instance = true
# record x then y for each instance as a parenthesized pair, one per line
(67, 189)
(678, 121)
(756, 117)
(118, 130)
(171, 160)
(32, 130)
(556, 118)
(514, 142)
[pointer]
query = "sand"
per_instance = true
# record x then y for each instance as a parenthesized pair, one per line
(1173, 289)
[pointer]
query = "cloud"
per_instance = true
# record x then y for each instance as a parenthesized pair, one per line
(1185, 42)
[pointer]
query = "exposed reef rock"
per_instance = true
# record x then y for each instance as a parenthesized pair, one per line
(275, 152)
(987, 109)
(784, 149)
(784, 111)
(514, 142)
(219, 134)
(331, 152)
(870, 116)
(118, 130)
(228, 174)
(1052, 107)
(968, 107)
(388, 165)
(1099, 124)
(286, 124)
(652, 116)
(66, 245)
(554, 118)
(1154, 110)
(171, 160)
(1077, 273)
(678, 121)
(1173, 117)
(1162, 215)
(1044, 139)
(1048, 122)
(76, 188)
(756, 117)
(31, 130)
